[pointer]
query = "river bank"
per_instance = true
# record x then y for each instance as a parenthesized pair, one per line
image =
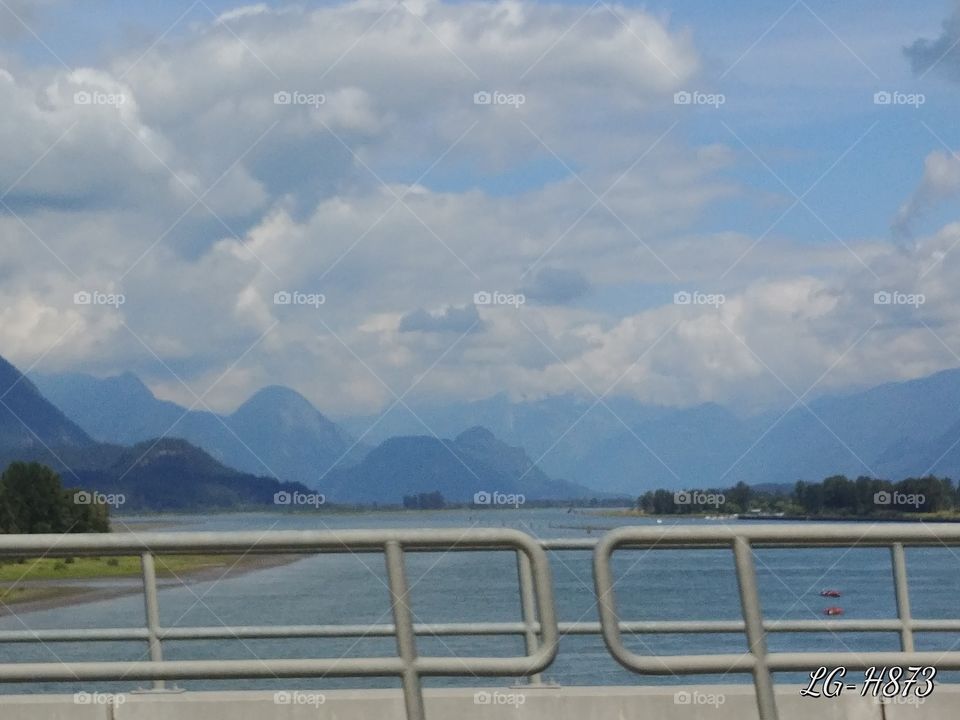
(46, 583)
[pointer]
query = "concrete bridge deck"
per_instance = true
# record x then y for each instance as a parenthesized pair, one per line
(702, 702)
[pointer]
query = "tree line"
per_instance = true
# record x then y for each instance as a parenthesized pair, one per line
(33, 500)
(835, 496)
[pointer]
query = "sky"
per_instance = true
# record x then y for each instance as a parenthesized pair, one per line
(679, 202)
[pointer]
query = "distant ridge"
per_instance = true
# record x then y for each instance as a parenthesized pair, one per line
(475, 461)
(276, 432)
(159, 474)
(893, 431)
(28, 422)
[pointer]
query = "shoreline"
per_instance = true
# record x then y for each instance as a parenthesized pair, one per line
(74, 592)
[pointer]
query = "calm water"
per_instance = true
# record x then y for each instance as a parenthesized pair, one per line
(458, 587)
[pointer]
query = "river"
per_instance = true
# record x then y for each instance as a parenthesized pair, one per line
(459, 587)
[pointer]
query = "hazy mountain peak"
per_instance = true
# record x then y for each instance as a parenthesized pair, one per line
(475, 435)
(277, 397)
(28, 420)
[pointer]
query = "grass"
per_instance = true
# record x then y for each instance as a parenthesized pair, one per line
(87, 568)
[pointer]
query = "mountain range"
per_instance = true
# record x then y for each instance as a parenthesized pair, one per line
(165, 474)
(617, 445)
(115, 436)
(277, 432)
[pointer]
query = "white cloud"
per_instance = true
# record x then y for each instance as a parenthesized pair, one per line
(326, 196)
(940, 182)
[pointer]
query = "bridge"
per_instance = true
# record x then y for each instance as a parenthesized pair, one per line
(538, 626)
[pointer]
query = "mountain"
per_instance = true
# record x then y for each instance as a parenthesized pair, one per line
(119, 410)
(619, 445)
(893, 431)
(163, 474)
(277, 432)
(28, 422)
(170, 475)
(475, 461)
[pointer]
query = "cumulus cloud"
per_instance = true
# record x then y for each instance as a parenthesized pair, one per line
(271, 151)
(940, 182)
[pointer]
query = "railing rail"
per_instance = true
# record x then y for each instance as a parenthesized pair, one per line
(758, 660)
(535, 589)
(538, 627)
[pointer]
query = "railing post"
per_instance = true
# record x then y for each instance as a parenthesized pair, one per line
(902, 590)
(753, 622)
(403, 622)
(528, 608)
(152, 608)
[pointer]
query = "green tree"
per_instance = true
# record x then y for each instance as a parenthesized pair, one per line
(33, 500)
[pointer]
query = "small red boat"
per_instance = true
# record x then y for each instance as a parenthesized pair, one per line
(830, 593)
(834, 610)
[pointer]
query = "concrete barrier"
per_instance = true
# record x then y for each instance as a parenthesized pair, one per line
(682, 702)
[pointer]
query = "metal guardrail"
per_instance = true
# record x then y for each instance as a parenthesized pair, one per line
(535, 590)
(757, 660)
(538, 627)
